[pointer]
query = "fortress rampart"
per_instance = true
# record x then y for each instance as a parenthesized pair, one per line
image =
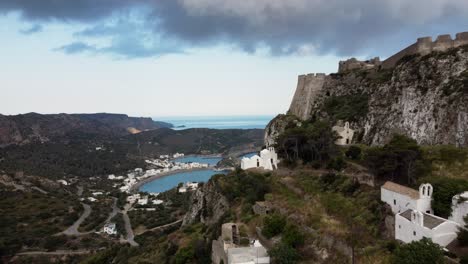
(308, 86)
(425, 46)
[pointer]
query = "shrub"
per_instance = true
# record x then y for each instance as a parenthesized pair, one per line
(418, 252)
(347, 107)
(292, 236)
(273, 225)
(284, 254)
(353, 152)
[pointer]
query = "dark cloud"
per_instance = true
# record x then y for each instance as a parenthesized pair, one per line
(285, 27)
(77, 47)
(31, 30)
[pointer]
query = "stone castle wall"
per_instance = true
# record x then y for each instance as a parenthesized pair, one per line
(308, 86)
(425, 46)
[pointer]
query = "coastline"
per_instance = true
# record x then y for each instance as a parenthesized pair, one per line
(137, 185)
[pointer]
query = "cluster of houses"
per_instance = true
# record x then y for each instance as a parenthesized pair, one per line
(414, 217)
(188, 186)
(231, 248)
(161, 166)
(268, 160)
(144, 199)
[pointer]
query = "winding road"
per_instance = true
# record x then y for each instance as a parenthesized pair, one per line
(128, 227)
(73, 229)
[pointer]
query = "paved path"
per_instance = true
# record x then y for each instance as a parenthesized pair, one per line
(114, 212)
(128, 226)
(58, 252)
(161, 227)
(73, 229)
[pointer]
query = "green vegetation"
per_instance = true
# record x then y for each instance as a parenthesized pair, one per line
(444, 190)
(419, 252)
(284, 254)
(400, 160)
(347, 107)
(30, 219)
(250, 187)
(273, 225)
(100, 212)
(353, 152)
(312, 142)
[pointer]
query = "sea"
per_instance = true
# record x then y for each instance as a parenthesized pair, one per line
(218, 122)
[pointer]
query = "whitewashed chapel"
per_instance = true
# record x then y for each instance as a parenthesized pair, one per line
(414, 217)
(268, 160)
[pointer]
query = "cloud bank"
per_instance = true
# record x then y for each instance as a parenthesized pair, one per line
(138, 28)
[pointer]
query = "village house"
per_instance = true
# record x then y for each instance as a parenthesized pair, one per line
(110, 229)
(228, 249)
(188, 186)
(63, 182)
(268, 160)
(401, 198)
(345, 132)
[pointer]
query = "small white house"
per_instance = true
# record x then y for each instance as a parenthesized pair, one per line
(63, 182)
(143, 200)
(459, 208)
(92, 199)
(345, 132)
(157, 201)
(110, 229)
(401, 198)
(268, 160)
(412, 225)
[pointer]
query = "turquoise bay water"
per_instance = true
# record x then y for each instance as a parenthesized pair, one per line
(217, 122)
(200, 159)
(168, 182)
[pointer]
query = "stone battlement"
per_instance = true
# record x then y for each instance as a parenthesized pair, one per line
(425, 45)
(354, 64)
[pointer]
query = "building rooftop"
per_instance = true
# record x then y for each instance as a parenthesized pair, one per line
(429, 221)
(395, 187)
(248, 255)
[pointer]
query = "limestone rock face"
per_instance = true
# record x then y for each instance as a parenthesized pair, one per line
(424, 97)
(276, 126)
(208, 205)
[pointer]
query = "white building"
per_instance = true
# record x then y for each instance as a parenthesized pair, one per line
(143, 200)
(267, 160)
(63, 182)
(110, 229)
(459, 208)
(92, 199)
(412, 225)
(345, 132)
(188, 186)
(228, 249)
(157, 201)
(401, 198)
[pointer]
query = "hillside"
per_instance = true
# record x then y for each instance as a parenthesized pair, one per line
(86, 155)
(422, 96)
(33, 127)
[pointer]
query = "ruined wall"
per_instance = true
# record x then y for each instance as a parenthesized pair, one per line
(308, 86)
(425, 45)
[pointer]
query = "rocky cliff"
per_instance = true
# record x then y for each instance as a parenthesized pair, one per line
(22, 129)
(422, 96)
(208, 205)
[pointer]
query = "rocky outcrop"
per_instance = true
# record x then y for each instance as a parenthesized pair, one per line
(208, 205)
(423, 97)
(276, 126)
(32, 127)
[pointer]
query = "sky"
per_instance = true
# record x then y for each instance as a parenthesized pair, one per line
(195, 57)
